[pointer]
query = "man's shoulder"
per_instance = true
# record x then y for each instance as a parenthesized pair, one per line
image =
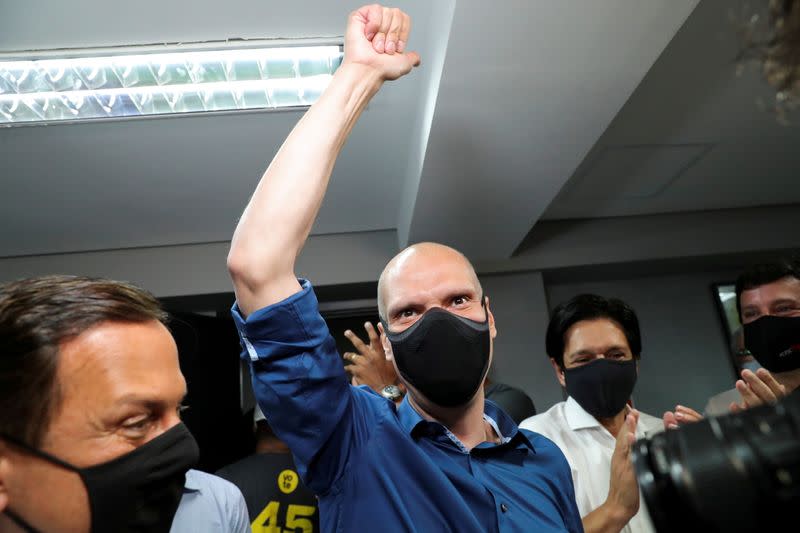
(210, 483)
(535, 423)
(540, 443)
(547, 452)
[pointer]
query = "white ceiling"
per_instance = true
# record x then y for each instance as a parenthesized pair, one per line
(165, 181)
(470, 150)
(695, 128)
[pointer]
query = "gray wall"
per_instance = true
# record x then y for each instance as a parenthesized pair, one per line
(519, 306)
(684, 353)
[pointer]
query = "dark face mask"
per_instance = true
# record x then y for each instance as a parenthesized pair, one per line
(603, 386)
(444, 356)
(136, 492)
(775, 342)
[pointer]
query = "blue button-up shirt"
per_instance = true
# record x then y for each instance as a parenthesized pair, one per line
(376, 467)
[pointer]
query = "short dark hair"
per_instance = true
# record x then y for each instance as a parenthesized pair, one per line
(38, 315)
(764, 273)
(590, 307)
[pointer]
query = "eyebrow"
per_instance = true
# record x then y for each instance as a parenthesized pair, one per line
(779, 301)
(393, 309)
(589, 351)
(782, 301)
(400, 306)
(145, 401)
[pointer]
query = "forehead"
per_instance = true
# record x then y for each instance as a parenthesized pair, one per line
(594, 333)
(429, 274)
(787, 288)
(112, 361)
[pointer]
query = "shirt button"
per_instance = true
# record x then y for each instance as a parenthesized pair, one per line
(503, 507)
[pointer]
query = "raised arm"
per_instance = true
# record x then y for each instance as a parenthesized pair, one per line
(276, 222)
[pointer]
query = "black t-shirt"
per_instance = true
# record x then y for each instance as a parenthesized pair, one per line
(276, 498)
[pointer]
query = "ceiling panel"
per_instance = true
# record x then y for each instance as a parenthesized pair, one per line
(692, 96)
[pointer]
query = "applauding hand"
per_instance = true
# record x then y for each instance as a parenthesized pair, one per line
(368, 364)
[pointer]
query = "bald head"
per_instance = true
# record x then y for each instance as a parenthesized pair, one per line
(424, 269)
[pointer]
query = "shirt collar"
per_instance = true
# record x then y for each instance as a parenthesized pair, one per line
(413, 424)
(577, 417)
(192, 484)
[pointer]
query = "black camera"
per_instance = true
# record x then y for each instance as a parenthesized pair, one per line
(739, 472)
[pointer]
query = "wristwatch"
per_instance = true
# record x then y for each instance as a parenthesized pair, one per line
(392, 392)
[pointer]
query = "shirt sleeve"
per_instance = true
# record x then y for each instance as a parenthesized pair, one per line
(301, 386)
(572, 517)
(239, 518)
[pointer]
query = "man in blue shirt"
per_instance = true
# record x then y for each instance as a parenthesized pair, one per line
(444, 460)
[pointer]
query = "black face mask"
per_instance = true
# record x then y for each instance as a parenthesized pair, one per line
(136, 492)
(444, 356)
(603, 386)
(775, 342)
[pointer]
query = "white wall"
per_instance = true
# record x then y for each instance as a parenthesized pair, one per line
(200, 268)
(684, 352)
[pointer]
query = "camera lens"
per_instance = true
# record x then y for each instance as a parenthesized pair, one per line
(733, 473)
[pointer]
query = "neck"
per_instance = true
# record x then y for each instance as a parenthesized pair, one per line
(614, 424)
(790, 379)
(465, 422)
(271, 446)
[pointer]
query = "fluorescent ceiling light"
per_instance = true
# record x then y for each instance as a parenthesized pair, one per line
(129, 84)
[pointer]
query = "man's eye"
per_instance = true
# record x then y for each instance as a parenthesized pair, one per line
(459, 300)
(406, 313)
(137, 424)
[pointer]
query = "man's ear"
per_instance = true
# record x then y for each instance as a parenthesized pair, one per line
(387, 346)
(4, 466)
(492, 326)
(559, 373)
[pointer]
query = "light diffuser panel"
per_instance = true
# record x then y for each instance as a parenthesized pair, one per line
(123, 85)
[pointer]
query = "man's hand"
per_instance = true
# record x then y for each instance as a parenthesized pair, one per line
(622, 502)
(376, 37)
(681, 415)
(369, 365)
(757, 388)
(623, 491)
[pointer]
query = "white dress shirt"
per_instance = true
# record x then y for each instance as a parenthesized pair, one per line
(588, 447)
